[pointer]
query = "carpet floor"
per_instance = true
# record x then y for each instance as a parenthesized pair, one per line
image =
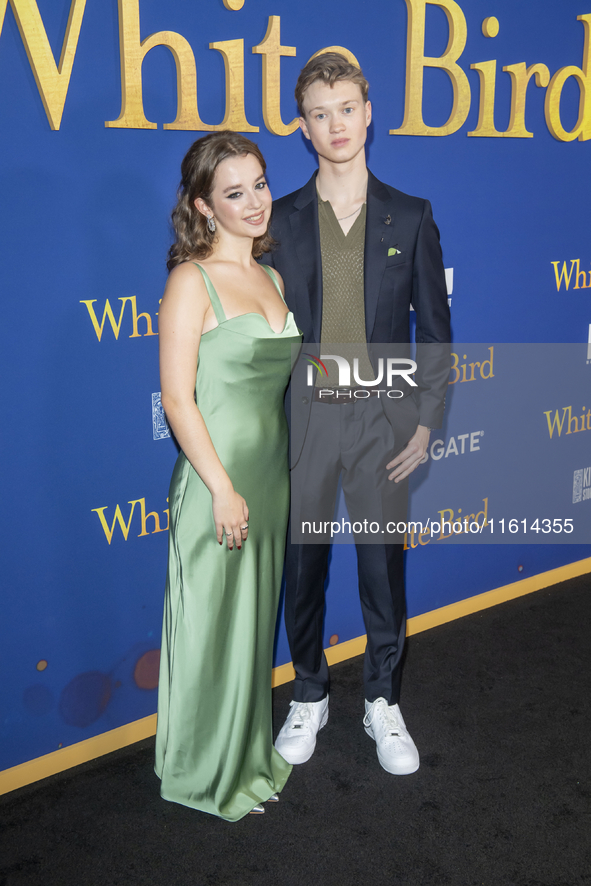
(499, 706)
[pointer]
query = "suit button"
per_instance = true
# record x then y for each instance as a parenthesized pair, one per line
(305, 401)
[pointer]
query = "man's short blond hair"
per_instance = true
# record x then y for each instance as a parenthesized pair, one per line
(328, 68)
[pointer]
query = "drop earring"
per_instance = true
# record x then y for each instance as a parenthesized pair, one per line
(211, 224)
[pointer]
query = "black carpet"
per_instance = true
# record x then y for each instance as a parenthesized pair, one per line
(499, 706)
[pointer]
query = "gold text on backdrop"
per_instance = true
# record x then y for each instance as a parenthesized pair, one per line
(53, 79)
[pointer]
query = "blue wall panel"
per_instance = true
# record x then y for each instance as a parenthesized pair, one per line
(85, 217)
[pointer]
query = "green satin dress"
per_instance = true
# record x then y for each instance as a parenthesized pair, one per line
(214, 742)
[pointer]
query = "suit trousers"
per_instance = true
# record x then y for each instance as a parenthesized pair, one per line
(352, 443)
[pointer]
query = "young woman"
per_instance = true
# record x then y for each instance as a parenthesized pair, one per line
(225, 359)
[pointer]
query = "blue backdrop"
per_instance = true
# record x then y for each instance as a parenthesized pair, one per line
(85, 211)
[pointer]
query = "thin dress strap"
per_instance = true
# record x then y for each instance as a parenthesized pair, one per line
(213, 296)
(271, 272)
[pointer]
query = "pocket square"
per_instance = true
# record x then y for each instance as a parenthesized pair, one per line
(394, 251)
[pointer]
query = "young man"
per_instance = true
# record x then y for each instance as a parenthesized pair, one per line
(354, 254)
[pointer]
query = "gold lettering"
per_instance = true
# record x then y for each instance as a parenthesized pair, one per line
(520, 77)
(271, 49)
(582, 128)
(583, 275)
(454, 368)
(52, 81)
(485, 128)
(460, 370)
(484, 512)
(133, 52)
(118, 518)
(234, 5)
(449, 522)
(488, 363)
(108, 312)
(556, 422)
(571, 419)
(145, 517)
(136, 317)
(235, 117)
(563, 273)
(490, 26)
(425, 534)
(416, 61)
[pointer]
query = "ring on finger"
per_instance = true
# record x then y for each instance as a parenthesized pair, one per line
(229, 534)
(244, 527)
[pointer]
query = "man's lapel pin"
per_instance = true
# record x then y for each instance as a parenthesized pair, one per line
(388, 220)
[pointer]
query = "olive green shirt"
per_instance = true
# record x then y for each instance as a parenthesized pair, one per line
(343, 302)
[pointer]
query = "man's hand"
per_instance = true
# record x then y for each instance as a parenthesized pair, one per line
(412, 455)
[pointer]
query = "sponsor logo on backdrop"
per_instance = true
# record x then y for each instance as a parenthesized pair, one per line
(449, 283)
(53, 78)
(564, 275)
(582, 485)
(461, 444)
(111, 522)
(131, 317)
(567, 422)
(461, 372)
(160, 426)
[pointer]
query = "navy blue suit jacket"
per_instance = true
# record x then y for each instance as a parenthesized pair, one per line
(392, 283)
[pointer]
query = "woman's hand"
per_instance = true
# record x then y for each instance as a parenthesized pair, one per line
(230, 514)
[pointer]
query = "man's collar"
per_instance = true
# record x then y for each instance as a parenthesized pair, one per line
(306, 194)
(375, 191)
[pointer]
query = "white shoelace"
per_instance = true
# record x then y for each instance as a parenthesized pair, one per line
(386, 715)
(299, 715)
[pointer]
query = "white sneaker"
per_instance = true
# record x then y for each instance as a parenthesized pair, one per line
(397, 751)
(297, 739)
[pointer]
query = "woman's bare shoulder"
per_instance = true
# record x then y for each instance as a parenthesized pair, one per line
(185, 281)
(186, 271)
(185, 298)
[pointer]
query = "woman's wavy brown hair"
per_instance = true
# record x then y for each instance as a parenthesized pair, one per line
(192, 236)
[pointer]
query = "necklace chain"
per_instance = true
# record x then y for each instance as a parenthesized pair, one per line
(352, 213)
